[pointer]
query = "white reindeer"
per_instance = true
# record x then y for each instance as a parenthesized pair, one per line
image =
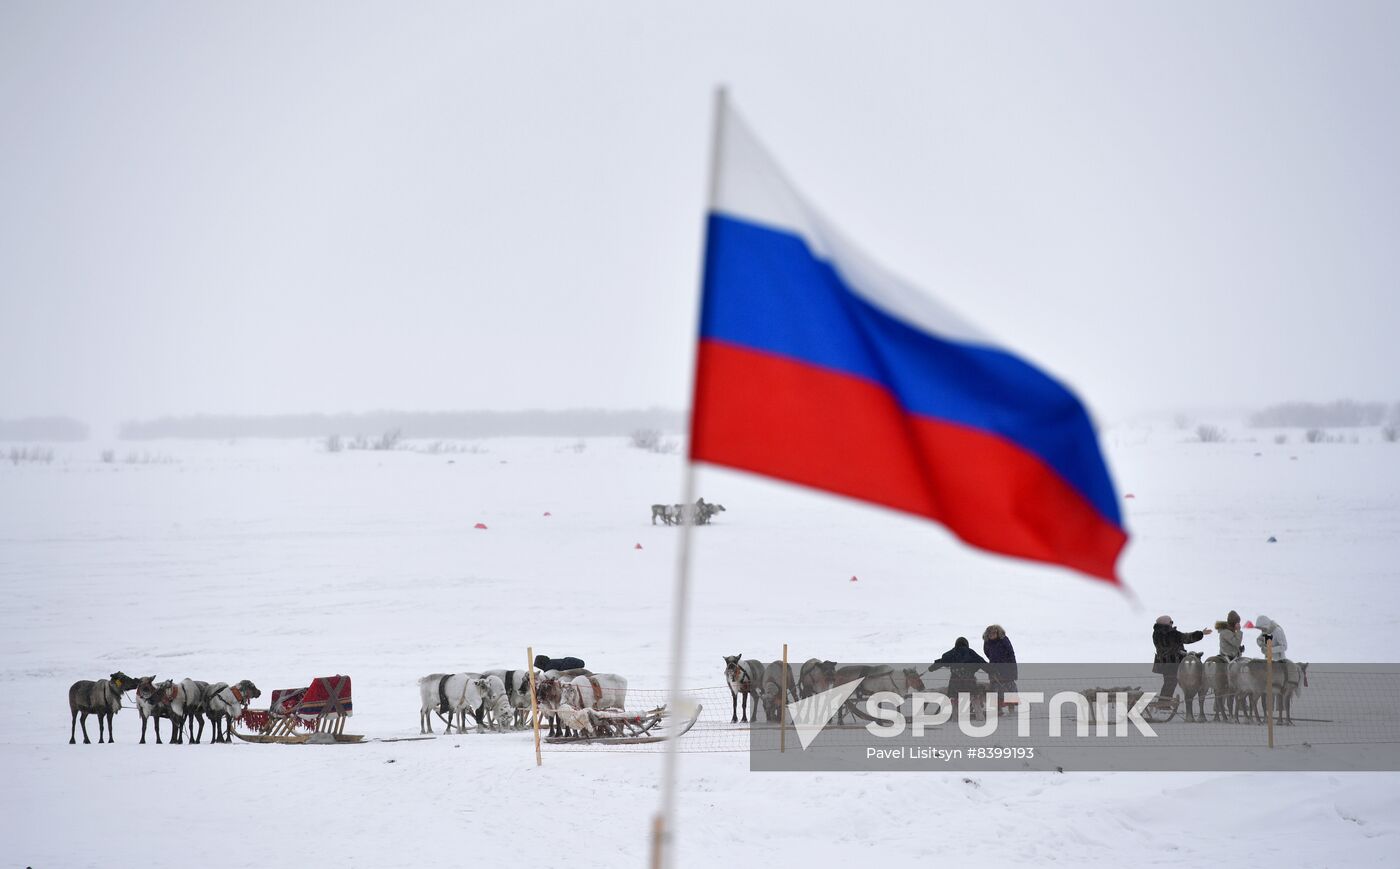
(501, 713)
(224, 703)
(597, 691)
(494, 697)
(579, 721)
(463, 693)
(517, 684)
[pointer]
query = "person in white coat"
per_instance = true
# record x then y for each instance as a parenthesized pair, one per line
(1270, 629)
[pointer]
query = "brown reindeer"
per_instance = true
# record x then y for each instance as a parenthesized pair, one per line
(771, 693)
(1191, 676)
(549, 693)
(153, 701)
(745, 679)
(815, 677)
(102, 698)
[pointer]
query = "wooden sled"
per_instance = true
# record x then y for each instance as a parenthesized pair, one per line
(320, 709)
(614, 727)
(293, 739)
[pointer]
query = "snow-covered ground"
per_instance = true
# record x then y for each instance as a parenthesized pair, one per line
(278, 561)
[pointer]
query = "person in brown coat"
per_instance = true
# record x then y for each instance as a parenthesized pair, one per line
(1171, 648)
(1231, 637)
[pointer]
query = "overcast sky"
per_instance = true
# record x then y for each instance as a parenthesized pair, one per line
(269, 207)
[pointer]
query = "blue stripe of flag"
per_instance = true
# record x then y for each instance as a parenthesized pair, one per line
(766, 290)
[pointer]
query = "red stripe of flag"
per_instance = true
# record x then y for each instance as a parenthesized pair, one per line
(764, 413)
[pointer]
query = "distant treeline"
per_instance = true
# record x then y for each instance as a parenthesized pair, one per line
(454, 424)
(1337, 414)
(43, 428)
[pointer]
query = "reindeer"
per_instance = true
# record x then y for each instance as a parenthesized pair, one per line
(549, 695)
(428, 696)
(594, 691)
(699, 513)
(224, 704)
(577, 722)
(1295, 679)
(517, 685)
(500, 711)
(744, 679)
(907, 684)
(157, 700)
(772, 690)
(456, 696)
(1245, 689)
(1288, 681)
(1191, 676)
(102, 698)
(494, 697)
(195, 692)
(815, 677)
(870, 678)
(568, 703)
(1217, 678)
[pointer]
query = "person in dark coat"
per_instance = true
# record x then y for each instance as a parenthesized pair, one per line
(962, 664)
(1171, 648)
(546, 663)
(996, 645)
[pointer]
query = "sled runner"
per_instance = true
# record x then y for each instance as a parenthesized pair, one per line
(615, 727)
(320, 709)
(1161, 710)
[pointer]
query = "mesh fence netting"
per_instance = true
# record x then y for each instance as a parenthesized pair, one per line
(1082, 715)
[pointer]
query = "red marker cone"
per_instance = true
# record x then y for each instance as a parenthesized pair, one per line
(638, 546)
(853, 579)
(1249, 625)
(481, 526)
(547, 513)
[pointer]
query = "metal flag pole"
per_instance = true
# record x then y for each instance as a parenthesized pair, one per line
(663, 828)
(782, 707)
(1269, 687)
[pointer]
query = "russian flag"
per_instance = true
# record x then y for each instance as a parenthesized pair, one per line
(818, 367)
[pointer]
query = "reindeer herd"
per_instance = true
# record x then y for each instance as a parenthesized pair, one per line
(570, 700)
(499, 700)
(189, 701)
(493, 700)
(763, 684)
(699, 513)
(1240, 688)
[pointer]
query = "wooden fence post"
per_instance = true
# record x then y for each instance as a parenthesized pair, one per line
(534, 704)
(782, 706)
(1269, 687)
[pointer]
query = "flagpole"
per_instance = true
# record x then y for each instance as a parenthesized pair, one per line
(663, 828)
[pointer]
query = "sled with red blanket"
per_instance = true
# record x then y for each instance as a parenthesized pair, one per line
(319, 709)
